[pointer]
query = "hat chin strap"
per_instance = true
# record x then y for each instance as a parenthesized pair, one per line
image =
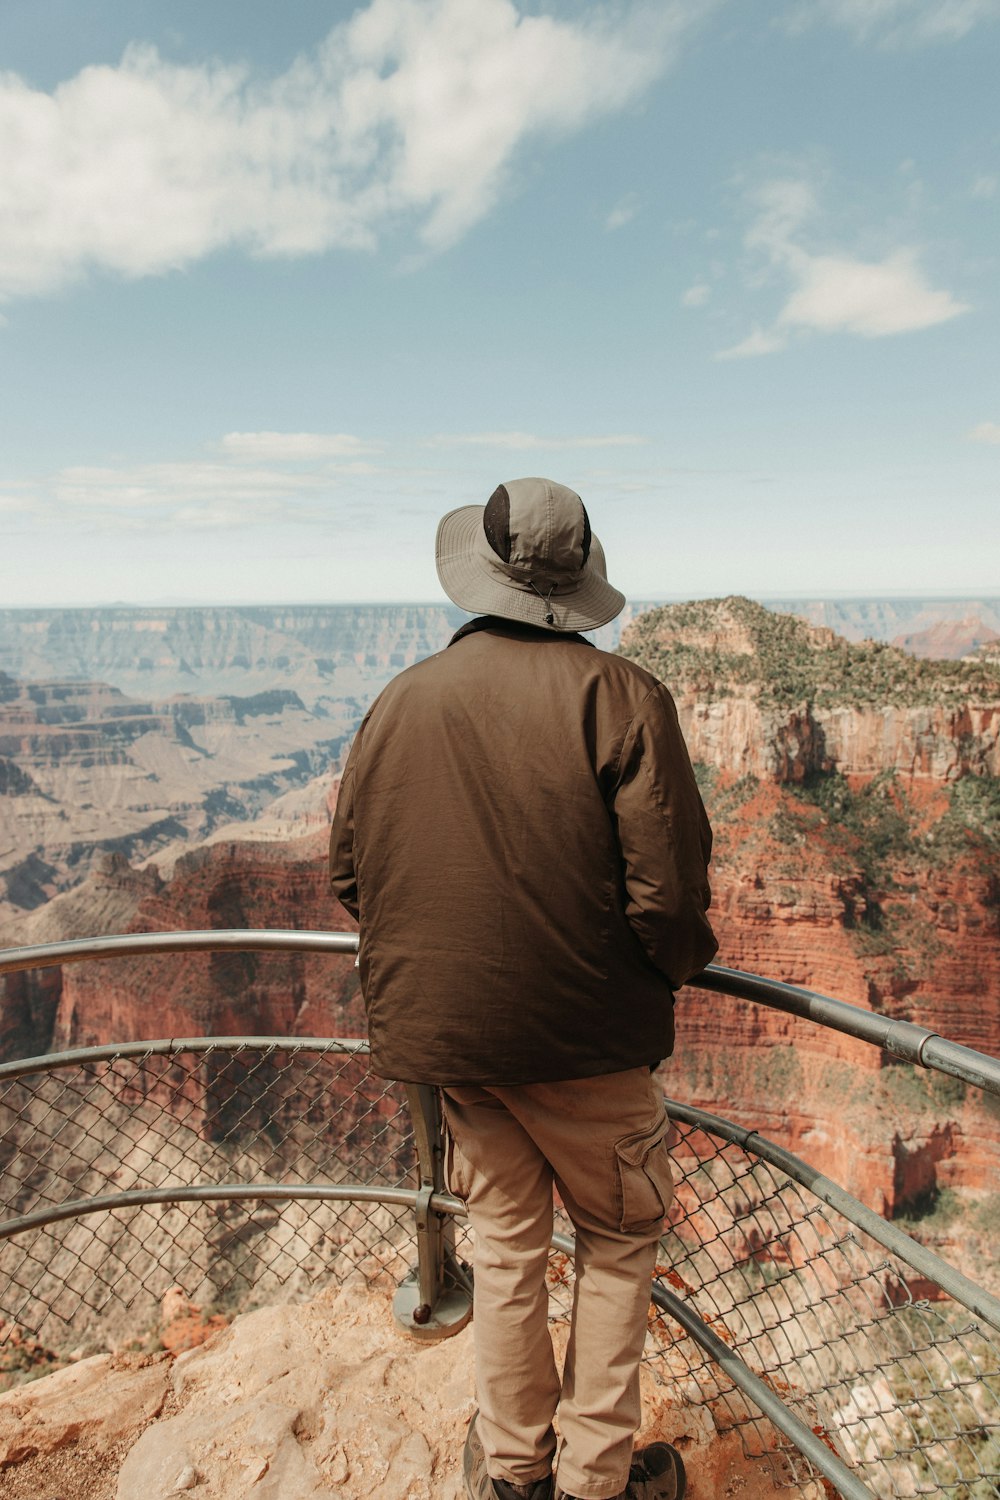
(550, 618)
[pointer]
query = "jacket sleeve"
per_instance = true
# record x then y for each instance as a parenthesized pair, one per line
(343, 876)
(665, 842)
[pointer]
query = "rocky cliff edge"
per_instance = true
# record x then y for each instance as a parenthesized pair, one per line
(312, 1402)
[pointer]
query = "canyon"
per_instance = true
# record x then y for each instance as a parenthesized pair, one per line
(145, 731)
(853, 789)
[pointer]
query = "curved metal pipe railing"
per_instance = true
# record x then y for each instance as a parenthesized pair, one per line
(892, 1238)
(166, 1048)
(215, 940)
(217, 1192)
(902, 1039)
(908, 1251)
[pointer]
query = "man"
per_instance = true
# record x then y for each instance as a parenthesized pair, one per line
(520, 835)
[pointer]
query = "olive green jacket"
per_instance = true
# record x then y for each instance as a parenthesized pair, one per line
(519, 833)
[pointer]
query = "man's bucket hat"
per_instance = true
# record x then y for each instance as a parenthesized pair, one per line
(528, 554)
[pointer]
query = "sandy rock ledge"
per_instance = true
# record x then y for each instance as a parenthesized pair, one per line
(325, 1401)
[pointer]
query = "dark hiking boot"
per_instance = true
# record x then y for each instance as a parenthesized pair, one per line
(540, 1490)
(657, 1473)
(479, 1485)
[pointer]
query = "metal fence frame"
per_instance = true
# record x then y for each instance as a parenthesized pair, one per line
(435, 1299)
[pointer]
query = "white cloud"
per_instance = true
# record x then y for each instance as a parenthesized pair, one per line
(986, 432)
(839, 294)
(985, 186)
(623, 212)
(760, 341)
(278, 447)
(830, 291)
(409, 109)
(891, 22)
(697, 295)
(531, 441)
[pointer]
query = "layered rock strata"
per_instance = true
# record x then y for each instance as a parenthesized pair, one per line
(86, 771)
(856, 805)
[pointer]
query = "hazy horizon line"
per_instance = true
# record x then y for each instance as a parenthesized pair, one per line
(991, 594)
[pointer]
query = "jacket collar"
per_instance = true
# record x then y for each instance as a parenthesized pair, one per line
(516, 629)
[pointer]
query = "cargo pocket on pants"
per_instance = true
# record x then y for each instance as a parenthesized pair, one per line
(455, 1178)
(646, 1187)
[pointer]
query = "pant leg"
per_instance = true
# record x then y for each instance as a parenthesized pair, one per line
(507, 1184)
(605, 1138)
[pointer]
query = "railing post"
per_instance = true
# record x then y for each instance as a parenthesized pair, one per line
(435, 1299)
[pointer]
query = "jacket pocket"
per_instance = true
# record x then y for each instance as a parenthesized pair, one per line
(646, 1186)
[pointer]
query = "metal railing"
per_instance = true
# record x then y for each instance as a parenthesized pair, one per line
(255, 1169)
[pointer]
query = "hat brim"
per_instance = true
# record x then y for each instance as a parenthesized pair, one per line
(477, 581)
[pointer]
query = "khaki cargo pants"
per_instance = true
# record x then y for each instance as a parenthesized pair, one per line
(601, 1141)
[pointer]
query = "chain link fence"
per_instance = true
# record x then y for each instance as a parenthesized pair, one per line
(247, 1171)
(906, 1391)
(237, 1114)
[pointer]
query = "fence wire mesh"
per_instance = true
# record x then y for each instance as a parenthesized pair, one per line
(243, 1115)
(904, 1390)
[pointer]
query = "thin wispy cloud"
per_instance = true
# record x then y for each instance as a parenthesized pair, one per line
(201, 494)
(986, 432)
(623, 212)
(697, 295)
(295, 446)
(531, 442)
(15, 502)
(895, 22)
(256, 479)
(830, 290)
(411, 111)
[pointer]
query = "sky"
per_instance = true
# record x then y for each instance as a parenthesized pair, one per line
(281, 284)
